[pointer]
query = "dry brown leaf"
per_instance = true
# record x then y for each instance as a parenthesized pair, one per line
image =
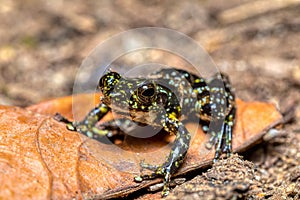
(40, 159)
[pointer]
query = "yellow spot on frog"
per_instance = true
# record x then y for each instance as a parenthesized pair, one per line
(103, 109)
(197, 80)
(172, 116)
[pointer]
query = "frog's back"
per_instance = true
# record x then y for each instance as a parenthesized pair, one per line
(188, 88)
(197, 95)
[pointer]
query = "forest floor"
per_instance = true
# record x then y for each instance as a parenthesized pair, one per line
(255, 42)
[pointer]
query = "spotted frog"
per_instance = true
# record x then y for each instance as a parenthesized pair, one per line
(164, 99)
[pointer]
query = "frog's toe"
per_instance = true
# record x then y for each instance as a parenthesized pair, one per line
(143, 177)
(212, 141)
(144, 165)
(71, 126)
(157, 171)
(227, 149)
(153, 168)
(166, 189)
(138, 178)
(221, 140)
(218, 141)
(165, 192)
(60, 118)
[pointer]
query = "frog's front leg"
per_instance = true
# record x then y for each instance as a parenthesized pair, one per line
(174, 159)
(88, 125)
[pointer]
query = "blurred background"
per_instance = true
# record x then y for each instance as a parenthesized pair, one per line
(42, 43)
(256, 42)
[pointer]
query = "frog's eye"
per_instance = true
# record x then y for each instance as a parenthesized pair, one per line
(108, 82)
(147, 93)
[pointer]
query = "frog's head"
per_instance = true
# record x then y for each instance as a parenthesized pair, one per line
(107, 82)
(121, 94)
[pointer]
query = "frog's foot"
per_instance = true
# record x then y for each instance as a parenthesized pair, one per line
(157, 171)
(153, 175)
(69, 124)
(172, 163)
(222, 139)
(82, 127)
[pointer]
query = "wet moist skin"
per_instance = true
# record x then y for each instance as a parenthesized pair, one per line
(164, 99)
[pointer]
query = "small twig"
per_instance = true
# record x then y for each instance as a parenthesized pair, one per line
(254, 8)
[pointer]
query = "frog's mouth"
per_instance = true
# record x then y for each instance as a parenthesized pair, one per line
(121, 109)
(138, 116)
(105, 100)
(125, 111)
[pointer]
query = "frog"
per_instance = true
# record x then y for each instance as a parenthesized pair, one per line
(164, 99)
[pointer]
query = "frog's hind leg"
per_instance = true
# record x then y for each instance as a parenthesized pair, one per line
(222, 111)
(228, 129)
(221, 137)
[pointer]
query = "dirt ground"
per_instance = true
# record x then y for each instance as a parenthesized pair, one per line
(255, 42)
